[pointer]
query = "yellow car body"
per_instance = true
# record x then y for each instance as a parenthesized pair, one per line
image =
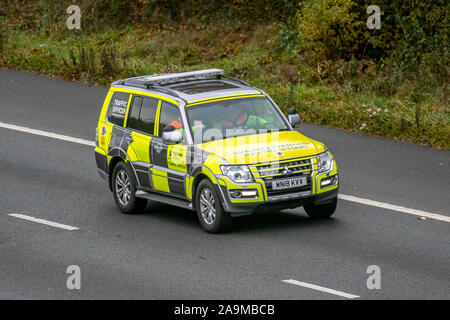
(171, 172)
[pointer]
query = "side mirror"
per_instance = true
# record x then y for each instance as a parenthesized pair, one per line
(171, 136)
(294, 117)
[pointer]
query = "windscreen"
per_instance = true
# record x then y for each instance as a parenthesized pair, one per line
(233, 117)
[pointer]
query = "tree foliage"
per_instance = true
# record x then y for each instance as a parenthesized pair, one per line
(414, 33)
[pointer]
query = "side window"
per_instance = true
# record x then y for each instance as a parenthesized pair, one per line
(148, 115)
(133, 115)
(118, 108)
(170, 115)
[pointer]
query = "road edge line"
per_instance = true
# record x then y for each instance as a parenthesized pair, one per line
(42, 221)
(393, 207)
(322, 289)
(47, 134)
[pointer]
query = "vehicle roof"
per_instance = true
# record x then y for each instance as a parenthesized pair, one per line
(190, 90)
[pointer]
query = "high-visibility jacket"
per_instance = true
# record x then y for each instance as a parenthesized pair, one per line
(176, 123)
(243, 120)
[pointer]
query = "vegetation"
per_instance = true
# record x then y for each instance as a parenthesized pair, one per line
(315, 55)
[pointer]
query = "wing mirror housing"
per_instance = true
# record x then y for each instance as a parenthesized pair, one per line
(294, 117)
(171, 136)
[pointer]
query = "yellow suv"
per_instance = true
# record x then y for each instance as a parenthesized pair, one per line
(210, 143)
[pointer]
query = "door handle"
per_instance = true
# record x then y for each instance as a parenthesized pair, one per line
(130, 139)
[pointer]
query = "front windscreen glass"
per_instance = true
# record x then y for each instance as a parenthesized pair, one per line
(233, 117)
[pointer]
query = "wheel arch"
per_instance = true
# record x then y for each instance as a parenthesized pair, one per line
(113, 163)
(197, 179)
(200, 176)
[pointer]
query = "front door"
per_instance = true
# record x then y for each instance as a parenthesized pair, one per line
(169, 169)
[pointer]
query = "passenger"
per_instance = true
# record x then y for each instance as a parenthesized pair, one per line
(176, 123)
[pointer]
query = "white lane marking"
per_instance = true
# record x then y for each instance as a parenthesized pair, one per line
(49, 223)
(46, 134)
(341, 196)
(388, 206)
(319, 288)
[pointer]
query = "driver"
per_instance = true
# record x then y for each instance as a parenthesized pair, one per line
(176, 123)
(221, 122)
(238, 119)
(243, 119)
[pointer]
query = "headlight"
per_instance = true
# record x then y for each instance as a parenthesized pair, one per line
(324, 161)
(237, 173)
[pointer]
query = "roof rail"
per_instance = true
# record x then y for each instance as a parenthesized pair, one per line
(155, 81)
(153, 87)
(235, 79)
(165, 90)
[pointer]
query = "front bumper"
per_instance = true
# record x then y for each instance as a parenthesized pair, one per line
(293, 201)
(275, 202)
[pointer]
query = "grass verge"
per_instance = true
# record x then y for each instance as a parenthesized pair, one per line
(408, 110)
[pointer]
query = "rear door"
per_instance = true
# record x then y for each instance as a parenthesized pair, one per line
(141, 125)
(169, 169)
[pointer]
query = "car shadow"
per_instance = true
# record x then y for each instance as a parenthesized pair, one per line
(293, 219)
(265, 222)
(164, 212)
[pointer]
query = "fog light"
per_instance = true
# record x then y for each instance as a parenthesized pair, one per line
(235, 193)
(328, 181)
(243, 193)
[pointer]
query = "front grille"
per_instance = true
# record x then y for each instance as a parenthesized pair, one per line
(275, 170)
(285, 169)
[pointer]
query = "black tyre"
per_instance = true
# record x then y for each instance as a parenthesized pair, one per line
(124, 190)
(321, 210)
(210, 213)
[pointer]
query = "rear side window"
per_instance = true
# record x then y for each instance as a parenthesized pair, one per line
(142, 114)
(148, 115)
(118, 108)
(133, 115)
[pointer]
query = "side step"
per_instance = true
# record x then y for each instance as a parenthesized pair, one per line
(164, 199)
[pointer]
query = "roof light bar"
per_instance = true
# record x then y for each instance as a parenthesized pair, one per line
(176, 77)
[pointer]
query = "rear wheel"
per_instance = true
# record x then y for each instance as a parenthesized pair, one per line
(124, 190)
(210, 213)
(321, 210)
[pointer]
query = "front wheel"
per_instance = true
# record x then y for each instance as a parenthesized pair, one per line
(210, 213)
(124, 190)
(321, 210)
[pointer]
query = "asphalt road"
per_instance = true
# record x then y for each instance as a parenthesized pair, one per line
(164, 254)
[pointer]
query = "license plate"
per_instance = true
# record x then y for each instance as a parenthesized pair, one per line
(289, 183)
